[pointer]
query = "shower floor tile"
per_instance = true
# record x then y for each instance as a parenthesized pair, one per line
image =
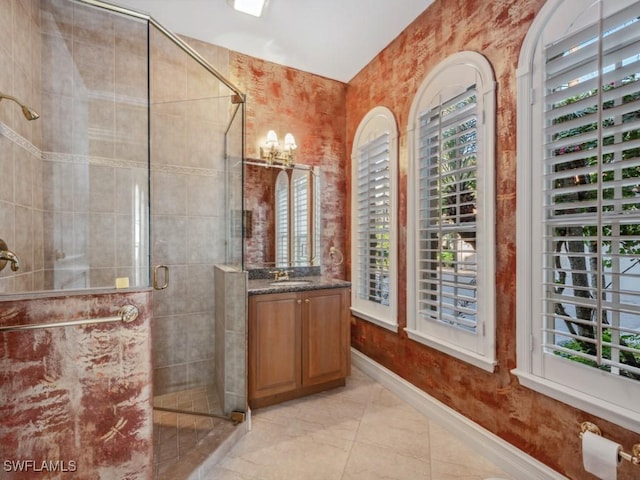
(183, 440)
(201, 399)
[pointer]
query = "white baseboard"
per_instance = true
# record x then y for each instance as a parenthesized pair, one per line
(509, 458)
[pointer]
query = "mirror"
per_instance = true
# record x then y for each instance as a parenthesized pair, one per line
(282, 216)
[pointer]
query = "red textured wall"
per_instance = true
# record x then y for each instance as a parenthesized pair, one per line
(313, 109)
(75, 401)
(544, 428)
(324, 114)
(259, 191)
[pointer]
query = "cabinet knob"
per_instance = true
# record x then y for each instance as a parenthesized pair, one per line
(306, 300)
(299, 301)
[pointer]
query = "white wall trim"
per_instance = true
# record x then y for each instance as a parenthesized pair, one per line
(450, 78)
(381, 322)
(509, 458)
(377, 122)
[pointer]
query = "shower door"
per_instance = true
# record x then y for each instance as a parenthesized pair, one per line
(191, 201)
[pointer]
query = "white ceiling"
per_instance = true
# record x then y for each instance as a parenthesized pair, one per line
(332, 38)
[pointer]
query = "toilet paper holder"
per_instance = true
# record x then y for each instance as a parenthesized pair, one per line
(633, 457)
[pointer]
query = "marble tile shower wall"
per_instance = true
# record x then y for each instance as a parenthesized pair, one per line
(231, 338)
(21, 218)
(77, 181)
(20, 46)
(96, 150)
(20, 160)
(189, 113)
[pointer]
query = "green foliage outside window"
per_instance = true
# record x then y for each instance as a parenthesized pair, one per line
(583, 200)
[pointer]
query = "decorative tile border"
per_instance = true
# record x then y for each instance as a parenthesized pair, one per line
(19, 140)
(195, 171)
(120, 163)
(89, 160)
(22, 142)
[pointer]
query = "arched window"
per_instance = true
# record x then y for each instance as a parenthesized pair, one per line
(450, 215)
(374, 211)
(578, 209)
(297, 229)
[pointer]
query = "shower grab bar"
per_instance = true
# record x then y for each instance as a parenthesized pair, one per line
(126, 314)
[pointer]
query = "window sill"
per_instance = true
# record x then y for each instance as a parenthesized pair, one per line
(376, 321)
(582, 401)
(474, 359)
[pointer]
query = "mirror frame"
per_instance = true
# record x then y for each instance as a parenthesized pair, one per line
(259, 205)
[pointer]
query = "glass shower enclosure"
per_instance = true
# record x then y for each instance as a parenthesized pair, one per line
(131, 177)
(196, 184)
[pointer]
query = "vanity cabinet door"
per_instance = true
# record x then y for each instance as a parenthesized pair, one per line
(325, 336)
(274, 344)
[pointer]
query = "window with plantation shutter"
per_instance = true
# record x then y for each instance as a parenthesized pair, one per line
(282, 219)
(316, 218)
(447, 216)
(297, 226)
(580, 331)
(374, 204)
(374, 211)
(450, 217)
(301, 219)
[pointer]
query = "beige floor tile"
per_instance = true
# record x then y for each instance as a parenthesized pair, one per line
(359, 388)
(453, 460)
(390, 423)
(359, 432)
(319, 414)
(219, 473)
(271, 452)
(371, 462)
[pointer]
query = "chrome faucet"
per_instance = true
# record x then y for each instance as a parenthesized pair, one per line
(7, 255)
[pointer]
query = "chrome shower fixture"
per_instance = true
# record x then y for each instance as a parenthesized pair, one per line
(29, 113)
(7, 255)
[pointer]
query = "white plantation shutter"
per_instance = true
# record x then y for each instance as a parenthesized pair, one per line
(373, 224)
(373, 213)
(282, 219)
(450, 214)
(301, 220)
(579, 207)
(447, 225)
(297, 225)
(316, 217)
(592, 196)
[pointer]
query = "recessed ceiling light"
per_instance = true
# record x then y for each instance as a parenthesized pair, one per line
(252, 7)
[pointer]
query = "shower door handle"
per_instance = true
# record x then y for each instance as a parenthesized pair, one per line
(156, 285)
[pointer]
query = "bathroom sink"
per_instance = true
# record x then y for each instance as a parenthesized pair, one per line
(290, 283)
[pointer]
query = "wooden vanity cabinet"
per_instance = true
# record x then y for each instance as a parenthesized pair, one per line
(299, 343)
(275, 344)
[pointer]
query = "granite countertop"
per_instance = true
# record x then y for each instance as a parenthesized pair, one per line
(262, 286)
